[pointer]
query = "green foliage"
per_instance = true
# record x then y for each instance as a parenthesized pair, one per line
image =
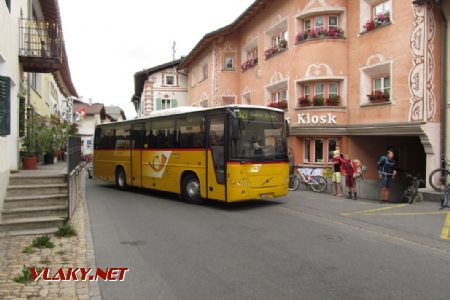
(61, 252)
(66, 230)
(34, 126)
(45, 261)
(26, 275)
(42, 242)
(28, 250)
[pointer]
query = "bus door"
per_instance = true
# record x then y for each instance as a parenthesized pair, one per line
(216, 157)
(137, 131)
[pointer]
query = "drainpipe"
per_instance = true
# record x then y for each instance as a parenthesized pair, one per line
(444, 109)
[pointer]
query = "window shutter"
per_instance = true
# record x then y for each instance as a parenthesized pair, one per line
(5, 85)
(173, 103)
(158, 104)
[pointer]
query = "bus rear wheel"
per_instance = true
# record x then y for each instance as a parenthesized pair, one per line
(121, 179)
(190, 189)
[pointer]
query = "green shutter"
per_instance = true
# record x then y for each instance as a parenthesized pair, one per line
(5, 86)
(173, 103)
(158, 104)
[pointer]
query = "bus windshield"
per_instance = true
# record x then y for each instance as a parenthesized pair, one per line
(261, 136)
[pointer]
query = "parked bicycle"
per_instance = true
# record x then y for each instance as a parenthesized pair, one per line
(439, 180)
(411, 193)
(317, 183)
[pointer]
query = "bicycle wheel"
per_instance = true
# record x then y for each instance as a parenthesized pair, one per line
(294, 183)
(318, 184)
(439, 179)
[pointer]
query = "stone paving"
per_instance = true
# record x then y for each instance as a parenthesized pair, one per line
(68, 252)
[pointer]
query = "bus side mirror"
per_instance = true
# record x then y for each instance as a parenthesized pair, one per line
(234, 128)
(286, 124)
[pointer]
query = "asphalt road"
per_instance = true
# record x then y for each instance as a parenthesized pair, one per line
(298, 247)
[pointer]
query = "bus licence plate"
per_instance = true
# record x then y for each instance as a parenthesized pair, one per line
(266, 196)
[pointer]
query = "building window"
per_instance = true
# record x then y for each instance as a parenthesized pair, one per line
(318, 22)
(5, 110)
(169, 80)
(252, 53)
(35, 82)
(332, 22)
(333, 89)
(318, 151)
(276, 39)
(307, 25)
(205, 72)
(383, 8)
(279, 96)
(307, 151)
(165, 103)
(318, 89)
(229, 63)
(383, 85)
(307, 90)
(332, 144)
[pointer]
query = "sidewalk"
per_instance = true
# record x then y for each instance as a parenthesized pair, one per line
(76, 251)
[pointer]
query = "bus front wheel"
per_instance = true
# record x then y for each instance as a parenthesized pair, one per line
(121, 179)
(190, 189)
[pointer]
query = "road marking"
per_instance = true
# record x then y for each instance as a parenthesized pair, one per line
(445, 229)
(405, 213)
(328, 221)
(372, 210)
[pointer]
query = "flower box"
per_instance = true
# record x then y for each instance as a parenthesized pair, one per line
(333, 101)
(333, 33)
(280, 104)
(276, 49)
(378, 21)
(318, 101)
(304, 101)
(378, 97)
(249, 64)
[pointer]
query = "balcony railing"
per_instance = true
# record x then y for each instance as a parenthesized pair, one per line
(41, 45)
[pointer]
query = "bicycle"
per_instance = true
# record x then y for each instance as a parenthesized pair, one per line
(439, 180)
(317, 183)
(411, 193)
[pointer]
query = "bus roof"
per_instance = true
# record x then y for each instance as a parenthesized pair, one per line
(190, 109)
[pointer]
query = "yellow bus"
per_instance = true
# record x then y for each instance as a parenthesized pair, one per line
(230, 153)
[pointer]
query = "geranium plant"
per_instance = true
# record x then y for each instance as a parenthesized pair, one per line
(379, 20)
(333, 100)
(318, 100)
(304, 101)
(378, 96)
(283, 104)
(333, 33)
(282, 45)
(249, 64)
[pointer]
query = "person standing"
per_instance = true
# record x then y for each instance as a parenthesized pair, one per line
(387, 170)
(337, 176)
(351, 170)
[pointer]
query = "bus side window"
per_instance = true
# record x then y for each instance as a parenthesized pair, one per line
(97, 138)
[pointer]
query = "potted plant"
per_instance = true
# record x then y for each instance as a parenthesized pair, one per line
(333, 100)
(378, 97)
(53, 138)
(304, 101)
(30, 148)
(318, 100)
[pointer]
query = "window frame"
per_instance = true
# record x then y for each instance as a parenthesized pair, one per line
(174, 80)
(229, 57)
(279, 94)
(165, 102)
(307, 150)
(382, 82)
(315, 23)
(328, 147)
(322, 160)
(383, 4)
(204, 72)
(277, 38)
(323, 89)
(305, 28)
(308, 85)
(329, 88)
(337, 22)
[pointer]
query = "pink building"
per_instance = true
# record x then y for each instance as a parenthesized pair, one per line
(361, 74)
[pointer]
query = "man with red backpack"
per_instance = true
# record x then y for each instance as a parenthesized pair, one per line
(351, 172)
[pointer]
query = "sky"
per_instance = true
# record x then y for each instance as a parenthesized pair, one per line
(107, 41)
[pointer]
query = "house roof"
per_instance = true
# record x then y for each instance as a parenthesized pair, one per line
(90, 109)
(50, 9)
(115, 112)
(141, 76)
(256, 7)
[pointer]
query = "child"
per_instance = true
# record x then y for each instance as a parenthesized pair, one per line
(351, 171)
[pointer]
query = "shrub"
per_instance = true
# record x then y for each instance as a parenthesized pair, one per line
(28, 250)
(26, 275)
(66, 230)
(42, 242)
